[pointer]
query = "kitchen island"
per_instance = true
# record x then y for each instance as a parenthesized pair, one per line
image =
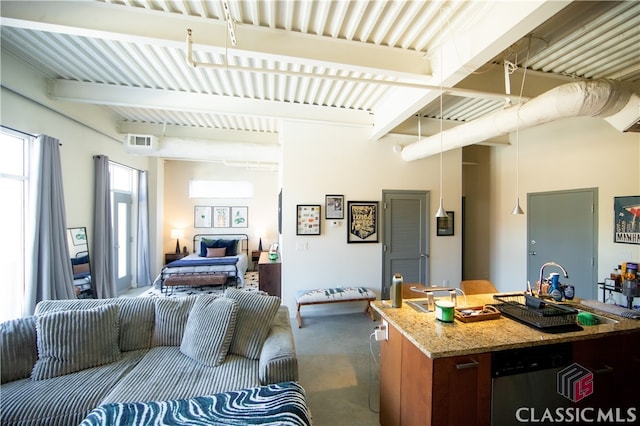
(440, 373)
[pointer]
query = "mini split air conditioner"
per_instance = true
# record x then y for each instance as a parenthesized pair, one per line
(141, 144)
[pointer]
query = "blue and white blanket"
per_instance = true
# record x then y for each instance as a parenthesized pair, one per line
(278, 404)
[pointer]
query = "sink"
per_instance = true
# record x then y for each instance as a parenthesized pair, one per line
(420, 305)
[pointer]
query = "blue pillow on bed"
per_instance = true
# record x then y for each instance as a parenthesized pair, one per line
(207, 243)
(230, 245)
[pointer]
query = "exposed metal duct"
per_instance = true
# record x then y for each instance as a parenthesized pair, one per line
(598, 98)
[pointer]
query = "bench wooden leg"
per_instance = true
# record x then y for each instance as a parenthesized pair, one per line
(369, 311)
(298, 317)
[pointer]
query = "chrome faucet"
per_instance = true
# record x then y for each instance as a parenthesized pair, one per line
(564, 271)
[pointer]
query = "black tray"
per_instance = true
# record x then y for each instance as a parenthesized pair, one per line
(547, 317)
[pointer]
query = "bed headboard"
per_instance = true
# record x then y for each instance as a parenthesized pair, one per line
(243, 241)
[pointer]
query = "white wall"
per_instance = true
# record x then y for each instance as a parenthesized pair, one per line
(320, 160)
(179, 208)
(566, 154)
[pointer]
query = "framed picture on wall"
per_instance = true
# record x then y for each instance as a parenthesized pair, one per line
(221, 217)
(239, 217)
(308, 219)
(626, 227)
(444, 225)
(202, 217)
(362, 222)
(334, 207)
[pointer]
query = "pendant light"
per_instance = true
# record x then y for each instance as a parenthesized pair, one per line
(441, 211)
(517, 209)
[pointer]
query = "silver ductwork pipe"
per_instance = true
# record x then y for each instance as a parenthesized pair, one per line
(598, 98)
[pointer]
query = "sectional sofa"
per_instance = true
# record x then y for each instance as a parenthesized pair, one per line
(75, 355)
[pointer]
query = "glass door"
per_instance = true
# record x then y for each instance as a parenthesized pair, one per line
(123, 240)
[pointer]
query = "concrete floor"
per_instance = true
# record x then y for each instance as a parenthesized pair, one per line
(338, 364)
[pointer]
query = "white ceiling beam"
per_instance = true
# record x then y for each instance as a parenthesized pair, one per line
(491, 32)
(105, 94)
(169, 30)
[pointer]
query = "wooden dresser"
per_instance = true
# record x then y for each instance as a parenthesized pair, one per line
(269, 272)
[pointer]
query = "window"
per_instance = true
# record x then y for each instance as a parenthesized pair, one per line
(14, 176)
(220, 189)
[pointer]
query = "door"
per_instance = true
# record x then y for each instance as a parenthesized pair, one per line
(405, 248)
(122, 239)
(562, 227)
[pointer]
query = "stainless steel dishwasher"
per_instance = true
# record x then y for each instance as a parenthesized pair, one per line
(523, 382)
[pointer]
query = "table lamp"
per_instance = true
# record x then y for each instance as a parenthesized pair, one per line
(177, 234)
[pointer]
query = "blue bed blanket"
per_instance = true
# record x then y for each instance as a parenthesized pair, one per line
(205, 261)
(278, 404)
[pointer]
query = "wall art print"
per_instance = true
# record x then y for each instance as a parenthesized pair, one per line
(362, 223)
(626, 227)
(334, 207)
(202, 217)
(239, 217)
(308, 219)
(221, 217)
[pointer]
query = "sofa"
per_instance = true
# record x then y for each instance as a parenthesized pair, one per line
(73, 356)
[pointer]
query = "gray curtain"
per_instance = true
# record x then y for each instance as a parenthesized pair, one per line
(48, 269)
(143, 273)
(103, 259)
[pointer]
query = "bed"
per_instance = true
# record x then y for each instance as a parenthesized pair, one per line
(216, 258)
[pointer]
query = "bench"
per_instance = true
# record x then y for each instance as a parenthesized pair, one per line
(193, 280)
(334, 295)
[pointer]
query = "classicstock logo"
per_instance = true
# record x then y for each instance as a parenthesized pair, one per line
(575, 382)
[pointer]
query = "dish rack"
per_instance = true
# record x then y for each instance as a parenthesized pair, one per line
(547, 317)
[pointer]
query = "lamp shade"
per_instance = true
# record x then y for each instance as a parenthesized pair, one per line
(177, 233)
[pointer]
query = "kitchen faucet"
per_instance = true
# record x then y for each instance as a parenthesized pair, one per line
(564, 271)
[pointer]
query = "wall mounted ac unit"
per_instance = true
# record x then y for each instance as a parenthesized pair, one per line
(141, 143)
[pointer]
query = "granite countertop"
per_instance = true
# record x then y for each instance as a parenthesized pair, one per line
(437, 339)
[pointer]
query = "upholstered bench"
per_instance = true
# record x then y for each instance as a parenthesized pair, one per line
(334, 295)
(195, 280)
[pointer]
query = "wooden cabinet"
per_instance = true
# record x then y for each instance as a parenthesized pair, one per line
(415, 389)
(615, 364)
(269, 273)
(170, 257)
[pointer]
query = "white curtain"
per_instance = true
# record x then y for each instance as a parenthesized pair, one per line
(143, 253)
(102, 261)
(48, 269)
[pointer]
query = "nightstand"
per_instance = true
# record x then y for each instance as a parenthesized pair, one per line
(170, 257)
(255, 256)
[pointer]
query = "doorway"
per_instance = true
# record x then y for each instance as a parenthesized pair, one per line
(123, 239)
(562, 227)
(405, 248)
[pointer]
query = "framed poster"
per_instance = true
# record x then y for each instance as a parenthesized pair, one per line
(202, 217)
(362, 222)
(444, 225)
(334, 207)
(78, 236)
(239, 217)
(626, 227)
(308, 219)
(221, 217)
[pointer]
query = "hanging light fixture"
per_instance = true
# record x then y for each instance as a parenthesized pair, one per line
(441, 211)
(517, 209)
